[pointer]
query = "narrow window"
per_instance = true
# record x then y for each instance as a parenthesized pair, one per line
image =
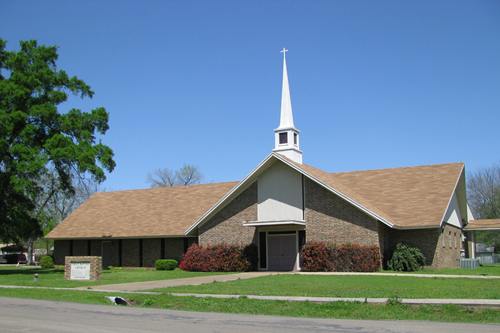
(283, 138)
(295, 138)
(443, 238)
(302, 238)
(262, 250)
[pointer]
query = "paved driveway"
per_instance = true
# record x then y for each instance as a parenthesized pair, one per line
(24, 315)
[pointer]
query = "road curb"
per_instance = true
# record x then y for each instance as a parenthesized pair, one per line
(382, 300)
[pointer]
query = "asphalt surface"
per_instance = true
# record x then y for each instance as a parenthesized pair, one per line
(24, 315)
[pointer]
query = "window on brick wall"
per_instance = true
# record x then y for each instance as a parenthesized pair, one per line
(443, 239)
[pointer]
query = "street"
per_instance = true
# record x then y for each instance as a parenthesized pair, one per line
(25, 315)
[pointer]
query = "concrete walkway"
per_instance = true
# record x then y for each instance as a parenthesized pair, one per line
(193, 281)
(419, 275)
(412, 301)
(148, 285)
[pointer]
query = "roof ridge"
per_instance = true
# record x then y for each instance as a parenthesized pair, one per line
(397, 168)
(166, 188)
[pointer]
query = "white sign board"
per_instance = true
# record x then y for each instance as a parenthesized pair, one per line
(80, 271)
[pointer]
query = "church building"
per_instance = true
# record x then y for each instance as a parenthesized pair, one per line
(279, 206)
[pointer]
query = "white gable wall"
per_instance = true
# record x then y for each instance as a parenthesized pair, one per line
(280, 194)
(453, 215)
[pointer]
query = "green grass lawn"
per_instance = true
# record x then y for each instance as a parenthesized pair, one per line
(344, 310)
(23, 276)
(352, 286)
(492, 270)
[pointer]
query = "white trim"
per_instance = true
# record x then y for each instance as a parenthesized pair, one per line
(233, 190)
(479, 229)
(272, 223)
(451, 198)
(297, 257)
(278, 157)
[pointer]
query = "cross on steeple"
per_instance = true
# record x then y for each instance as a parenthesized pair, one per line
(286, 135)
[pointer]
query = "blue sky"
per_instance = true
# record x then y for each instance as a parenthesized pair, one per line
(374, 84)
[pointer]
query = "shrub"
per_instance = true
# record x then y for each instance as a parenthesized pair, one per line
(322, 257)
(406, 258)
(46, 262)
(315, 257)
(219, 258)
(165, 264)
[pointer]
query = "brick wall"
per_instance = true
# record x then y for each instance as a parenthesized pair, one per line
(226, 226)
(424, 239)
(430, 242)
(331, 219)
(109, 250)
(95, 247)
(130, 253)
(448, 247)
(174, 248)
(151, 251)
(62, 248)
(80, 247)
(95, 266)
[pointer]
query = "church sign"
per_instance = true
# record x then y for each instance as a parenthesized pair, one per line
(80, 271)
(82, 268)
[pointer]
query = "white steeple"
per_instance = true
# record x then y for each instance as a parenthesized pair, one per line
(286, 135)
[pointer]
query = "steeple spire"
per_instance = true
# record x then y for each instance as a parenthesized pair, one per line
(286, 119)
(286, 135)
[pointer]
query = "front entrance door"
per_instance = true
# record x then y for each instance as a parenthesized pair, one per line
(282, 251)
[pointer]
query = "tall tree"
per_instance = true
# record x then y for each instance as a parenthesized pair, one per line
(38, 138)
(483, 191)
(188, 174)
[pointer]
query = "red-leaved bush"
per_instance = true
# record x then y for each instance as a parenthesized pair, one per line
(219, 258)
(322, 257)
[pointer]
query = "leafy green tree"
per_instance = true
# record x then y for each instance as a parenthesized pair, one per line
(37, 138)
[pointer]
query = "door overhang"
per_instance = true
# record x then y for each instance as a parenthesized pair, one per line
(274, 223)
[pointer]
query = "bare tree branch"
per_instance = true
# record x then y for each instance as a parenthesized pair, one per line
(483, 191)
(187, 175)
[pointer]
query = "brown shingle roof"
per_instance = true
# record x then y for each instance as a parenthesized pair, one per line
(138, 213)
(486, 224)
(407, 197)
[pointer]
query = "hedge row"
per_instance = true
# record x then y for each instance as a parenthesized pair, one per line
(219, 258)
(322, 257)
